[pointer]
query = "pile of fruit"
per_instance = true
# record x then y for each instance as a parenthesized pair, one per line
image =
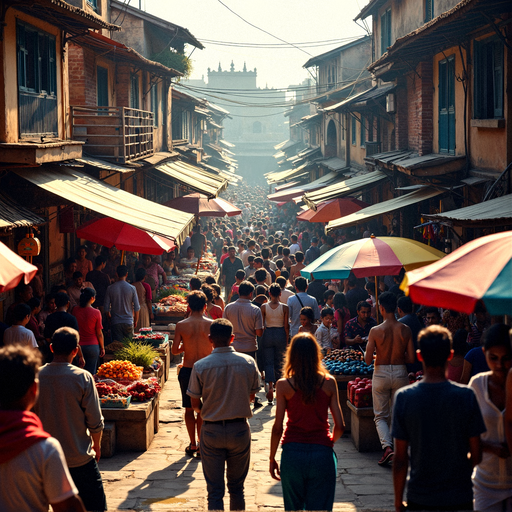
(359, 392)
(119, 370)
(110, 390)
(347, 361)
(143, 390)
(343, 355)
(172, 305)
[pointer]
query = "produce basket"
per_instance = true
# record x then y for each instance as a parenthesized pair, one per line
(116, 403)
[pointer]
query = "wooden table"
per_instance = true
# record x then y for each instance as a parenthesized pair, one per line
(136, 426)
(165, 355)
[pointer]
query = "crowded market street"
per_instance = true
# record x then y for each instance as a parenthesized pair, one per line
(164, 478)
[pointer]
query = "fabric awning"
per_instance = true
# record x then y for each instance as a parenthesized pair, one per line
(80, 188)
(297, 191)
(385, 207)
(193, 177)
(13, 215)
(276, 177)
(343, 188)
(495, 212)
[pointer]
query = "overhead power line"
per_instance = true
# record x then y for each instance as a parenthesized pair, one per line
(261, 29)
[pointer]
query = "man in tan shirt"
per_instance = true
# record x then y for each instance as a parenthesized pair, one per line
(394, 348)
(191, 337)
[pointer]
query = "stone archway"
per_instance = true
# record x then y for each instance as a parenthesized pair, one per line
(331, 146)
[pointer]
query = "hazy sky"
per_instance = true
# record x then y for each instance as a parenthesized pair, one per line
(295, 21)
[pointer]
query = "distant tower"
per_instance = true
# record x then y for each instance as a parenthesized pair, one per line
(220, 68)
(245, 68)
(232, 67)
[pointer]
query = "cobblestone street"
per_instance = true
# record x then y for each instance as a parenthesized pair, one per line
(164, 478)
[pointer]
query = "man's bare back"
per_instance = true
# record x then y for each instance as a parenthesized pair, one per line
(392, 341)
(191, 337)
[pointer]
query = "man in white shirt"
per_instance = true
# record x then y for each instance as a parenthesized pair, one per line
(285, 294)
(294, 247)
(251, 245)
(18, 333)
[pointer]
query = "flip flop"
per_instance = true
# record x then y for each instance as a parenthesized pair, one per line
(190, 451)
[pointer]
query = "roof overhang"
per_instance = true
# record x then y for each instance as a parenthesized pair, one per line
(61, 14)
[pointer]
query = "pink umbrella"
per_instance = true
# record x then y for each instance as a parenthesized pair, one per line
(333, 209)
(13, 269)
(200, 205)
(110, 232)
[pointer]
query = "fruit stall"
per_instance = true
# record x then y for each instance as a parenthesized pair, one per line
(346, 364)
(129, 401)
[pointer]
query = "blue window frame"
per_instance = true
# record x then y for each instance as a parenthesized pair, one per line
(385, 31)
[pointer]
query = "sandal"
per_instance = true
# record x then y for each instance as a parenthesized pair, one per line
(190, 451)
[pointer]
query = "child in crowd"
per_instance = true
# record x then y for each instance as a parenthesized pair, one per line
(239, 277)
(325, 334)
(307, 317)
(328, 299)
(279, 265)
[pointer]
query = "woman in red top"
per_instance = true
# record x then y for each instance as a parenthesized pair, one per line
(306, 394)
(341, 317)
(90, 329)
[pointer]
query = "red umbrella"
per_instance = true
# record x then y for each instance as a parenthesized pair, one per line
(333, 209)
(13, 269)
(200, 205)
(110, 232)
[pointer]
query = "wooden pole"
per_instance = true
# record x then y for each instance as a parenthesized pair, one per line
(377, 299)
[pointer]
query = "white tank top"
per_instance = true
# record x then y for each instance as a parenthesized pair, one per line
(274, 317)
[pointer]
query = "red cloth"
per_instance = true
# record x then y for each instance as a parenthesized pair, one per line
(89, 319)
(308, 423)
(19, 430)
(223, 257)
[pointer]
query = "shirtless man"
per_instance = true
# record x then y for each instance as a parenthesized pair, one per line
(392, 342)
(191, 337)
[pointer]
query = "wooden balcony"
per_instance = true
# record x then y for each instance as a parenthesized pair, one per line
(119, 134)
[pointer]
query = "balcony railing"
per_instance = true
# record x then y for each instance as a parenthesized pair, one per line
(120, 134)
(372, 148)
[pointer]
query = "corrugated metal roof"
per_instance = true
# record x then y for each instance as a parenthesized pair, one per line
(385, 207)
(13, 215)
(494, 212)
(333, 164)
(278, 176)
(82, 189)
(344, 188)
(299, 190)
(361, 98)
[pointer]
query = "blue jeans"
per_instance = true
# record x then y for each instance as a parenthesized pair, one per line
(91, 355)
(274, 347)
(308, 476)
(121, 332)
(222, 445)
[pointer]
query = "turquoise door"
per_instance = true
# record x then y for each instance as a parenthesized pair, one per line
(447, 106)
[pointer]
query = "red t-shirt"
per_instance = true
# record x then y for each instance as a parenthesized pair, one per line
(223, 257)
(89, 319)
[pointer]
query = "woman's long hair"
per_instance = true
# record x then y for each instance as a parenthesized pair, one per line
(303, 362)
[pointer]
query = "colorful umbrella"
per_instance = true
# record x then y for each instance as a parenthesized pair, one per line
(383, 256)
(333, 209)
(110, 232)
(13, 269)
(480, 269)
(200, 205)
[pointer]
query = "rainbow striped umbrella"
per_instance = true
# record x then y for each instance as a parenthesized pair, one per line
(382, 256)
(479, 270)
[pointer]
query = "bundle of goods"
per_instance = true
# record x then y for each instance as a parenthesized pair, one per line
(113, 347)
(171, 289)
(124, 370)
(359, 392)
(143, 390)
(154, 339)
(173, 305)
(415, 377)
(347, 361)
(113, 394)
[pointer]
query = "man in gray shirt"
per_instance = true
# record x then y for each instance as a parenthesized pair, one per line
(122, 305)
(221, 388)
(70, 411)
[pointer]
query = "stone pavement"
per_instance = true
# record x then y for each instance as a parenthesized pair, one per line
(165, 478)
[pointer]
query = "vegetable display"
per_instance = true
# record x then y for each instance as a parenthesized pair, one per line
(347, 361)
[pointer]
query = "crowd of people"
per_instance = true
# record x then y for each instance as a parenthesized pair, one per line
(262, 322)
